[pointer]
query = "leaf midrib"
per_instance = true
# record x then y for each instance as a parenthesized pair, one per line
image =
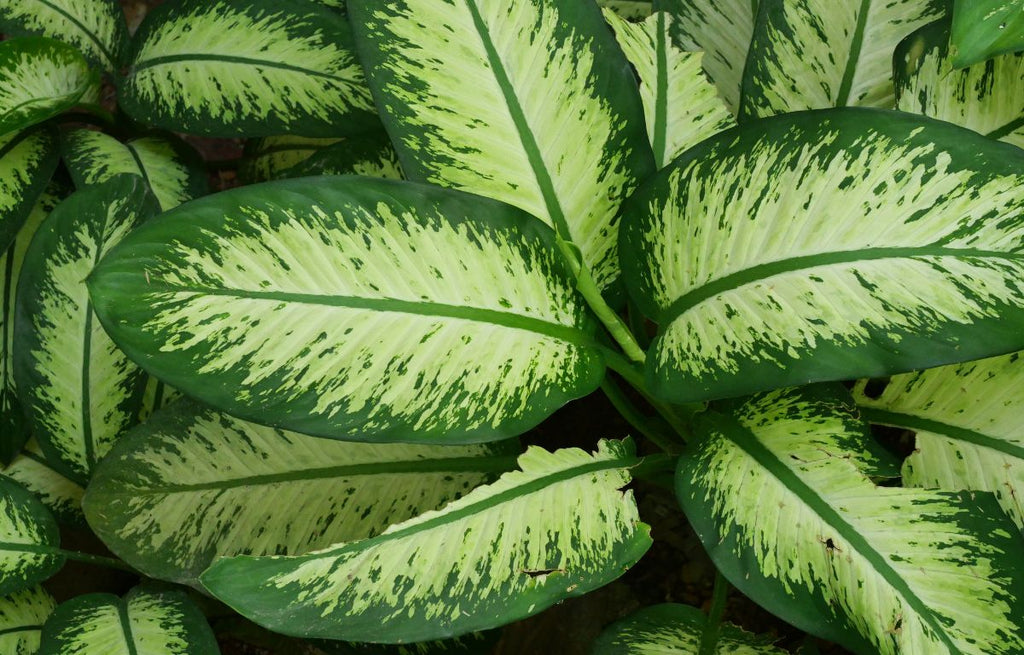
(167, 60)
(92, 37)
(20, 628)
(843, 98)
(921, 424)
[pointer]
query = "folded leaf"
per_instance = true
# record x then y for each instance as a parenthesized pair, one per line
(825, 246)
(267, 157)
(487, 559)
(354, 308)
(22, 615)
(29, 539)
(95, 27)
(59, 494)
(985, 28)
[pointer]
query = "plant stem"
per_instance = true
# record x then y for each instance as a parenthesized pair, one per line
(645, 425)
(678, 416)
(97, 560)
(713, 627)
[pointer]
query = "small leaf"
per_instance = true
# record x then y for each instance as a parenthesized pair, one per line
(371, 155)
(268, 157)
(59, 494)
(985, 28)
(29, 539)
(487, 559)
(95, 27)
(22, 615)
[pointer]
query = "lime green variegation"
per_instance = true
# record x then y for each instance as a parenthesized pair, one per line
(985, 28)
(79, 391)
(531, 103)
(672, 629)
(22, 615)
(682, 106)
(27, 162)
(371, 155)
(815, 54)
(354, 308)
(190, 484)
(156, 396)
(265, 158)
(247, 68)
(29, 539)
(95, 27)
(631, 10)
(147, 621)
(878, 569)
(484, 560)
(825, 246)
(59, 494)
(172, 169)
(987, 97)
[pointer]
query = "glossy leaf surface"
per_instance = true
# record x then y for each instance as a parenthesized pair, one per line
(22, 615)
(95, 27)
(29, 538)
(985, 28)
(266, 158)
(61, 495)
(371, 155)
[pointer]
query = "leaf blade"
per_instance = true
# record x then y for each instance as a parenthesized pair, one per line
(95, 27)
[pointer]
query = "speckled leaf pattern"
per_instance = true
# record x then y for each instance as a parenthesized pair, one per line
(551, 121)
(824, 246)
(79, 391)
(172, 169)
(985, 28)
(631, 10)
(484, 560)
(266, 158)
(681, 104)
(40, 78)
(816, 54)
(987, 97)
(247, 68)
(190, 484)
(879, 569)
(354, 308)
(29, 539)
(95, 27)
(672, 629)
(22, 615)
(371, 155)
(156, 396)
(147, 621)
(27, 162)
(61, 495)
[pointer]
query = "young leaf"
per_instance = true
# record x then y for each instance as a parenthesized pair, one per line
(22, 615)
(551, 121)
(815, 54)
(987, 98)
(825, 246)
(172, 169)
(266, 158)
(149, 621)
(985, 28)
(676, 629)
(59, 494)
(187, 486)
(80, 392)
(682, 106)
(29, 539)
(371, 155)
(484, 560)
(354, 308)
(246, 68)
(95, 27)
(878, 569)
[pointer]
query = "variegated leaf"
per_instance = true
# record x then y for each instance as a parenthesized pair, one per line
(531, 103)
(58, 493)
(672, 629)
(682, 106)
(27, 162)
(172, 169)
(484, 560)
(79, 391)
(824, 246)
(371, 155)
(354, 308)
(631, 10)
(189, 486)
(29, 539)
(266, 158)
(147, 621)
(985, 28)
(247, 68)
(881, 570)
(39, 78)
(987, 97)
(95, 27)
(474, 643)
(815, 54)
(156, 396)
(22, 615)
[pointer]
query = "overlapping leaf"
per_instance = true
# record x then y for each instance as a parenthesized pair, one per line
(95, 27)
(985, 28)
(79, 391)
(484, 560)
(265, 158)
(354, 308)
(61, 495)
(878, 569)
(29, 539)
(815, 54)
(531, 103)
(476, 643)
(827, 245)
(632, 10)
(27, 161)
(371, 155)
(247, 68)
(190, 485)
(22, 615)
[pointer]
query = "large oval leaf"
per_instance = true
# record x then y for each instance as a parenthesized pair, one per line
(22, 615)
(484, 560)
(188, 486)
(29, 539)
(825, 246)
(95, 27)
(878, 569)
(58, 493)
(79, 391)
(354, 308)
(246, 68)
(532, 104)
(985, 28)
(27, 162)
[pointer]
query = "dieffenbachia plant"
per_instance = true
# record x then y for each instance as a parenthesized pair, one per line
(784, 239)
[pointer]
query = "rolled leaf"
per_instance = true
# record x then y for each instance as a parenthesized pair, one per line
(551, 121)
(150, 621)
(80, 392)
(246, 68)
(985, 28)
(371, 155)
(487, 559)
(95, 27)
(816, 54)
(825, 246)
(188, 486)
(22, 615)
(58, 493)
(29, 539)
(354, 308)
(878, 569)
(266, 158)
(987, 97)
